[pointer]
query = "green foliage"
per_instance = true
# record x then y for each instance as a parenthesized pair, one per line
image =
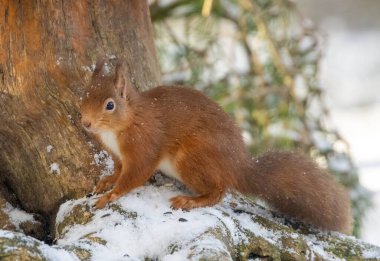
(259, 59)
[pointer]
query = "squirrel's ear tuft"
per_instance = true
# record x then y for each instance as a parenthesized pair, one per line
(100, 68)
(123, 87)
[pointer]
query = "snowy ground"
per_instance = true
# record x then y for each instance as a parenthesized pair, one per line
(141, 225)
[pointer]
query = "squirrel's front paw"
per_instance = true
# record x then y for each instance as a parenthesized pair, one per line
(105, 184)
(109, 197)
(102, 202)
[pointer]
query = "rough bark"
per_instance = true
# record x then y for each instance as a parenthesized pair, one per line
(47, 50)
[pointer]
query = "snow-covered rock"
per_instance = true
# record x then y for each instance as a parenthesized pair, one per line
(15, 219)
(142, 226)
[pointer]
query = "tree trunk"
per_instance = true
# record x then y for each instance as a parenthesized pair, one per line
(47, 50)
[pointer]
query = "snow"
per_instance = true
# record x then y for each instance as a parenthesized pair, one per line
(371, 254)
(54, 168)
(66, 208)
(142, 225)
(17, 216)
(49, 148)
(157, 227)
(111, 56)
(319, 249)
(102, 158)
(50, 253)
(55, 254)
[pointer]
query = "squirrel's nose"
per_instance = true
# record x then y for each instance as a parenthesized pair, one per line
(86, 123)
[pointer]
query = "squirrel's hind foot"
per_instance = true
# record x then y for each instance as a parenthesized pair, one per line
(108, 197)
(187, 202)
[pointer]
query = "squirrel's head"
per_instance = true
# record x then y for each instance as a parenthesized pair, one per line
(107, 101)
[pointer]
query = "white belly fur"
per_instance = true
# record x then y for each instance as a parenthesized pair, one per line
(109, 140)
(167, 167)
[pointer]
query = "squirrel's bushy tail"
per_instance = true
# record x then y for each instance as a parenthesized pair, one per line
(294, 185)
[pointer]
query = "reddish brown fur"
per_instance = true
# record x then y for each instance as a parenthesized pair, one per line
(207, 150)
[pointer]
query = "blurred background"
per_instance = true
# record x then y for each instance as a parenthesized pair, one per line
(294, 74)
(350, 76)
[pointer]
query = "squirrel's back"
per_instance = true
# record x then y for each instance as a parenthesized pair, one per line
(192, 120)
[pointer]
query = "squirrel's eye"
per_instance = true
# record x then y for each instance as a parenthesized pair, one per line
(110, 106)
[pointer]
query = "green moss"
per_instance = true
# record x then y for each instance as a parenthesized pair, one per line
(343, 248)
(131, 215)
(258, 247)
(97, 240)
(20, 248)
(82, 254)
(173, 248)
(79, 215)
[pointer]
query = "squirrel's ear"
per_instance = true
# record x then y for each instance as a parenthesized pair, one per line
(122, 84)
(100, 68)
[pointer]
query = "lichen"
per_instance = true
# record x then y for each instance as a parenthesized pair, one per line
(79, 215)
(19, 247)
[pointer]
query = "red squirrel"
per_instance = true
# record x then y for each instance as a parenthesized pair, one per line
(187, 136)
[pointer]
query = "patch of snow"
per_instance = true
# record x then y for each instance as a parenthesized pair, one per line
(17, 216)
(158, 229)
(111, 56)
(48, 252)
(102, 158)
(54, 168)
(66, 207)
(207, 243)
(55, 254)
(7, 234)
(49, 148)
(230, 224)
(371, 254)
(245, 220)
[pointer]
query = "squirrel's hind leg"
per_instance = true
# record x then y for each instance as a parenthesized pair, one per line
(199, 173)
